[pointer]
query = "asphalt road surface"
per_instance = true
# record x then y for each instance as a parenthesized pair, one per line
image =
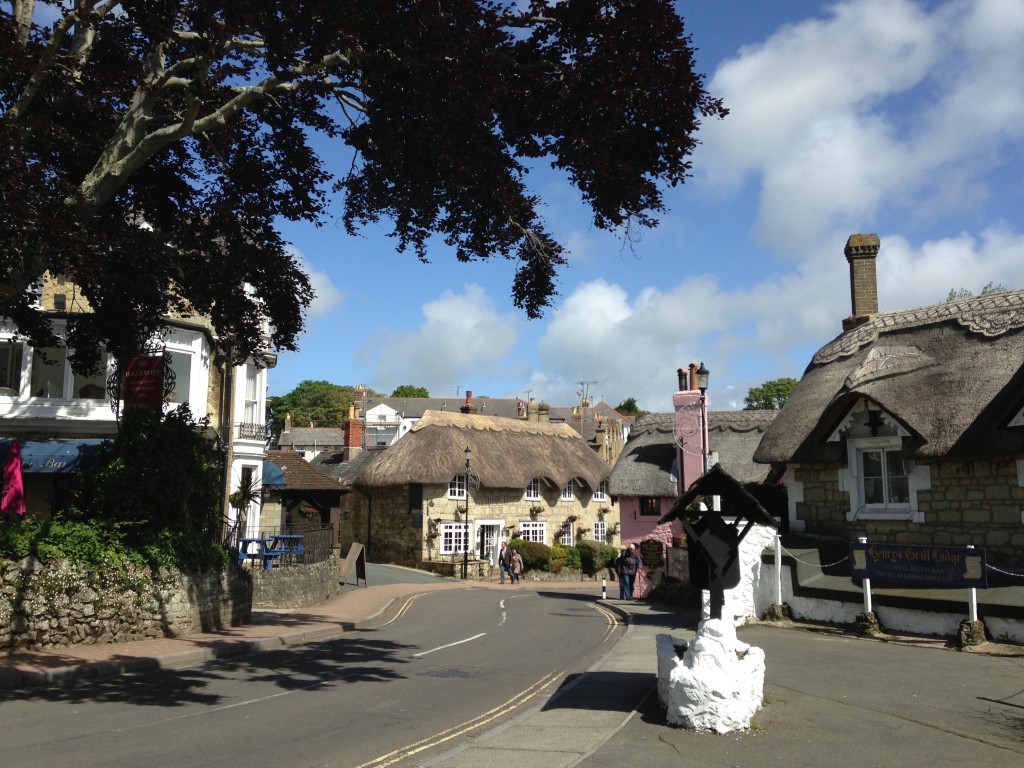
(436, 670)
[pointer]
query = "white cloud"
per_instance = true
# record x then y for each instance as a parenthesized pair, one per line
(844, 116)
(328, 296)
(462, 340)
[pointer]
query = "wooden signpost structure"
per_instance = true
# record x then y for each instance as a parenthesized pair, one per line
(712, 541)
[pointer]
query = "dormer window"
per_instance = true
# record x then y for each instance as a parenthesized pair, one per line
(884, 477)
(881, 482)
(457, 487)
(533, 490)
(567, 492)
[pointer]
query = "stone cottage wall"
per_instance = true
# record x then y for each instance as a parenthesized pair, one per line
(59, 604)
(970, 502)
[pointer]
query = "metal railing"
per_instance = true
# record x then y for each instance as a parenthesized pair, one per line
(249, 430)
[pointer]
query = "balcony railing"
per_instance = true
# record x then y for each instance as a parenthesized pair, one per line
(246, 430)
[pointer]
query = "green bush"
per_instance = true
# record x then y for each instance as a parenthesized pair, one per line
(588, 556)
(536, 556)
(564, 557)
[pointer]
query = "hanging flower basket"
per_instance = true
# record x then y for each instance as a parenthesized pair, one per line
(307, 510)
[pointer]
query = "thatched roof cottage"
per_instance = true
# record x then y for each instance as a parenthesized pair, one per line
(908, 428)
(534, 479)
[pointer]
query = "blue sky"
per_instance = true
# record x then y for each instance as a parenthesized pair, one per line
(901, 118)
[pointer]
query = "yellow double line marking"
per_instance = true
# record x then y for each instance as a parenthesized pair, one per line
(458, 730)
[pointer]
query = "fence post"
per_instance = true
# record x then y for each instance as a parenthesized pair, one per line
(778, 568)
(867, 582)
(973, 597)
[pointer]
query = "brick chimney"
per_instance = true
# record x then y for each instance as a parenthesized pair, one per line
(353, 432)
(861, 252)
(468, 408)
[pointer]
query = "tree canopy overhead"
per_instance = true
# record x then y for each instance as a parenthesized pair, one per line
(150, 145)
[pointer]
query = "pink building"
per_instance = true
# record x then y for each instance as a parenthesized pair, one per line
(665, 455)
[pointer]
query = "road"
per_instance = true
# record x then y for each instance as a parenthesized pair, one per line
(436, 670)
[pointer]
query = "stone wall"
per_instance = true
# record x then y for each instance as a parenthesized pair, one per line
(59, 604)
(970, 502)
(295, 586)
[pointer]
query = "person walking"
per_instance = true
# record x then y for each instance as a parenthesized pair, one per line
(517, 566)
(630, 564)
(505, 563)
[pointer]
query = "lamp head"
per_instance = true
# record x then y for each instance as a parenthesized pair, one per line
(703, 374)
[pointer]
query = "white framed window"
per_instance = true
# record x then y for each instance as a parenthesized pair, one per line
(882, 484)
(884, 478)
(601, 494)
(453, 538)
(565, 536)
(252, 415)
(533, 490)
(601, 531)
(11, 354)
(567, 492)
(534, 531)
(457, 487)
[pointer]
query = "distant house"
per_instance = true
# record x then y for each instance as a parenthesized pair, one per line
(646, 479)
(529, 479)
(908, 428)
(310, 441)
(603, 428)
(387, 419)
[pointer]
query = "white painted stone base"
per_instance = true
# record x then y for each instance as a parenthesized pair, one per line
(718, 685)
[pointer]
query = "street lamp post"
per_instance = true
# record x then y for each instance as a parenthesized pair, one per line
(465, 544)
(703, 374)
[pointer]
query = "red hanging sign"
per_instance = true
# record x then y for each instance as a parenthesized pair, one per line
(144, 382)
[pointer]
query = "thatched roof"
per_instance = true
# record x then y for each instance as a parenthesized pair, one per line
(734, 436)
(507, 453)
(951, 374)
(645, 467)
(300, 475)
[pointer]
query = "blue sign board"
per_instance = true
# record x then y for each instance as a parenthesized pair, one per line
(925, 567)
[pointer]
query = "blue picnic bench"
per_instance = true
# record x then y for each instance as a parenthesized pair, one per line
(265, 549)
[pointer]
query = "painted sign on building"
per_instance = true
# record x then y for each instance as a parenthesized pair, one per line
(920, 566)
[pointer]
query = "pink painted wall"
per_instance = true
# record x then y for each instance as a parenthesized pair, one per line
(635, 528)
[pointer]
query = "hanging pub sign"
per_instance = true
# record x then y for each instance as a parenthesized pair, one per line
(919, 566)
(144, 382)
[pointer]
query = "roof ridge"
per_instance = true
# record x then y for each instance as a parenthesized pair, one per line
(990, 315)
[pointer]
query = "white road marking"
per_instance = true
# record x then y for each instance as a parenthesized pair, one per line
(450, 645)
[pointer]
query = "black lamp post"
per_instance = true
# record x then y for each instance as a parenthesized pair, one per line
(465, 545)
(703, 374)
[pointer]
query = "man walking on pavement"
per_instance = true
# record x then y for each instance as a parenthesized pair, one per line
(504, 562)
(629, 564)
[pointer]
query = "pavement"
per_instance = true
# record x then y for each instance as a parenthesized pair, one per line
(599, 717)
